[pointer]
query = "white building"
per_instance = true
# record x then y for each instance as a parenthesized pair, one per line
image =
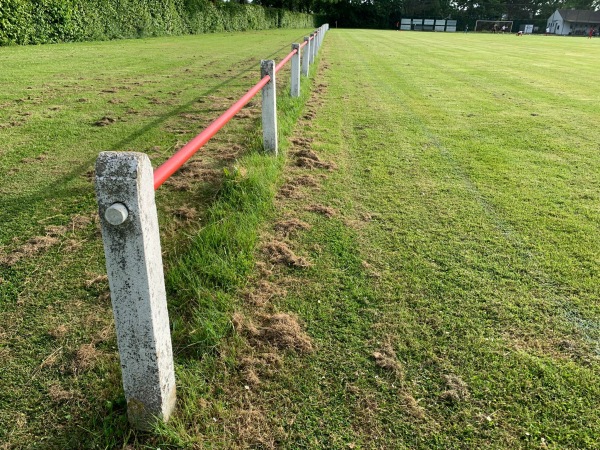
(575, 22)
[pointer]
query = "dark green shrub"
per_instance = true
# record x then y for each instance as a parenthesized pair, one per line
(49, 21)
(14, 22)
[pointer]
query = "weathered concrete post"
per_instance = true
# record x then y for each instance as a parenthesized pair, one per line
(295, 83)
(125, 192)
(320, 40)
(313, 46)
(269, 107)
(317, 37)
(306, 57)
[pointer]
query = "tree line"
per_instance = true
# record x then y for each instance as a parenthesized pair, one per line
(386, 13)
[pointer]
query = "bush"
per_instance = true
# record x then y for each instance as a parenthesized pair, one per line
(14, 22)
(49, 21)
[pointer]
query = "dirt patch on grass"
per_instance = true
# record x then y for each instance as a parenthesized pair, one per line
(280, 330)
(188, 177)
(456, 389)
(304, 180)
(53, 235)
(310, 163)
(322, 209)
(79, 222)
(105, 121)
(307, 153)
(11, 124)
(307, 158)
(289, 226)
(280, 253)
(85, 358)
(365, 410)
(59, 332)
(41, 157)
(52, 359)
(185, 213)
(555, 346)
(370, 269)
(411, 406)
(60, 395)
(256, 368)
(264, 270)
(95, 280)
(387, 359)
(283, 331)
(289, 191)
(253, 429)
(301, 141)
(32, 247)
(264, 292)
(193, 117)
(247, 114)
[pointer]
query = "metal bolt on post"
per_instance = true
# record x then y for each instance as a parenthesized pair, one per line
(269, 107)
(129, 222)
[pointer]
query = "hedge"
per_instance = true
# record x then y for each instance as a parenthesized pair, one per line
(49, 21)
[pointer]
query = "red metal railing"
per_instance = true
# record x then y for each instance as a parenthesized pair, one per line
(174, 163)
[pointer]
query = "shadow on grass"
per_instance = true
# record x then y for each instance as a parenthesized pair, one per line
(105, 425)
(11, 207)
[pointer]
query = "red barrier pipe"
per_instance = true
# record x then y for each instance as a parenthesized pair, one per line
(285, 60)
(170, 166)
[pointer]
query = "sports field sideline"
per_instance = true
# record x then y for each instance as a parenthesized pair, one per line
(450, 295)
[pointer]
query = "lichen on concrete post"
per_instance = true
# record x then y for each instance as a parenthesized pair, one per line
(295, 82)
(129, 222)
(306, 57)
(269, 107)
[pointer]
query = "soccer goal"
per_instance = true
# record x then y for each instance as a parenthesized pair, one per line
(494, 26)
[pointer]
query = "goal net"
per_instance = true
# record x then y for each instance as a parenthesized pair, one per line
(494, 26)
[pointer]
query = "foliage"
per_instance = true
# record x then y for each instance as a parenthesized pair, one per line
(385, 13)
(51, 21)
(161, 93)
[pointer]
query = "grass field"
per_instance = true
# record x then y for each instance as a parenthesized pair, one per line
(418, 271)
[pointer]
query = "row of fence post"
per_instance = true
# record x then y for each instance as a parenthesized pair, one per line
(130, 233)
(300, 64)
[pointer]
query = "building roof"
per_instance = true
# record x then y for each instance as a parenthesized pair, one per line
(579, 15)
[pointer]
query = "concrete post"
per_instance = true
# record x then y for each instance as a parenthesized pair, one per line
(320, 38)
(125, 192)
(269, 107)
(295, 83)
(317, 36)
(313, 45)
(306, 57)
(318, 42)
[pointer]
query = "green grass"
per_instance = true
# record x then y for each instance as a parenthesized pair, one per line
(467, 181)
(61, 380)
(463, 248)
